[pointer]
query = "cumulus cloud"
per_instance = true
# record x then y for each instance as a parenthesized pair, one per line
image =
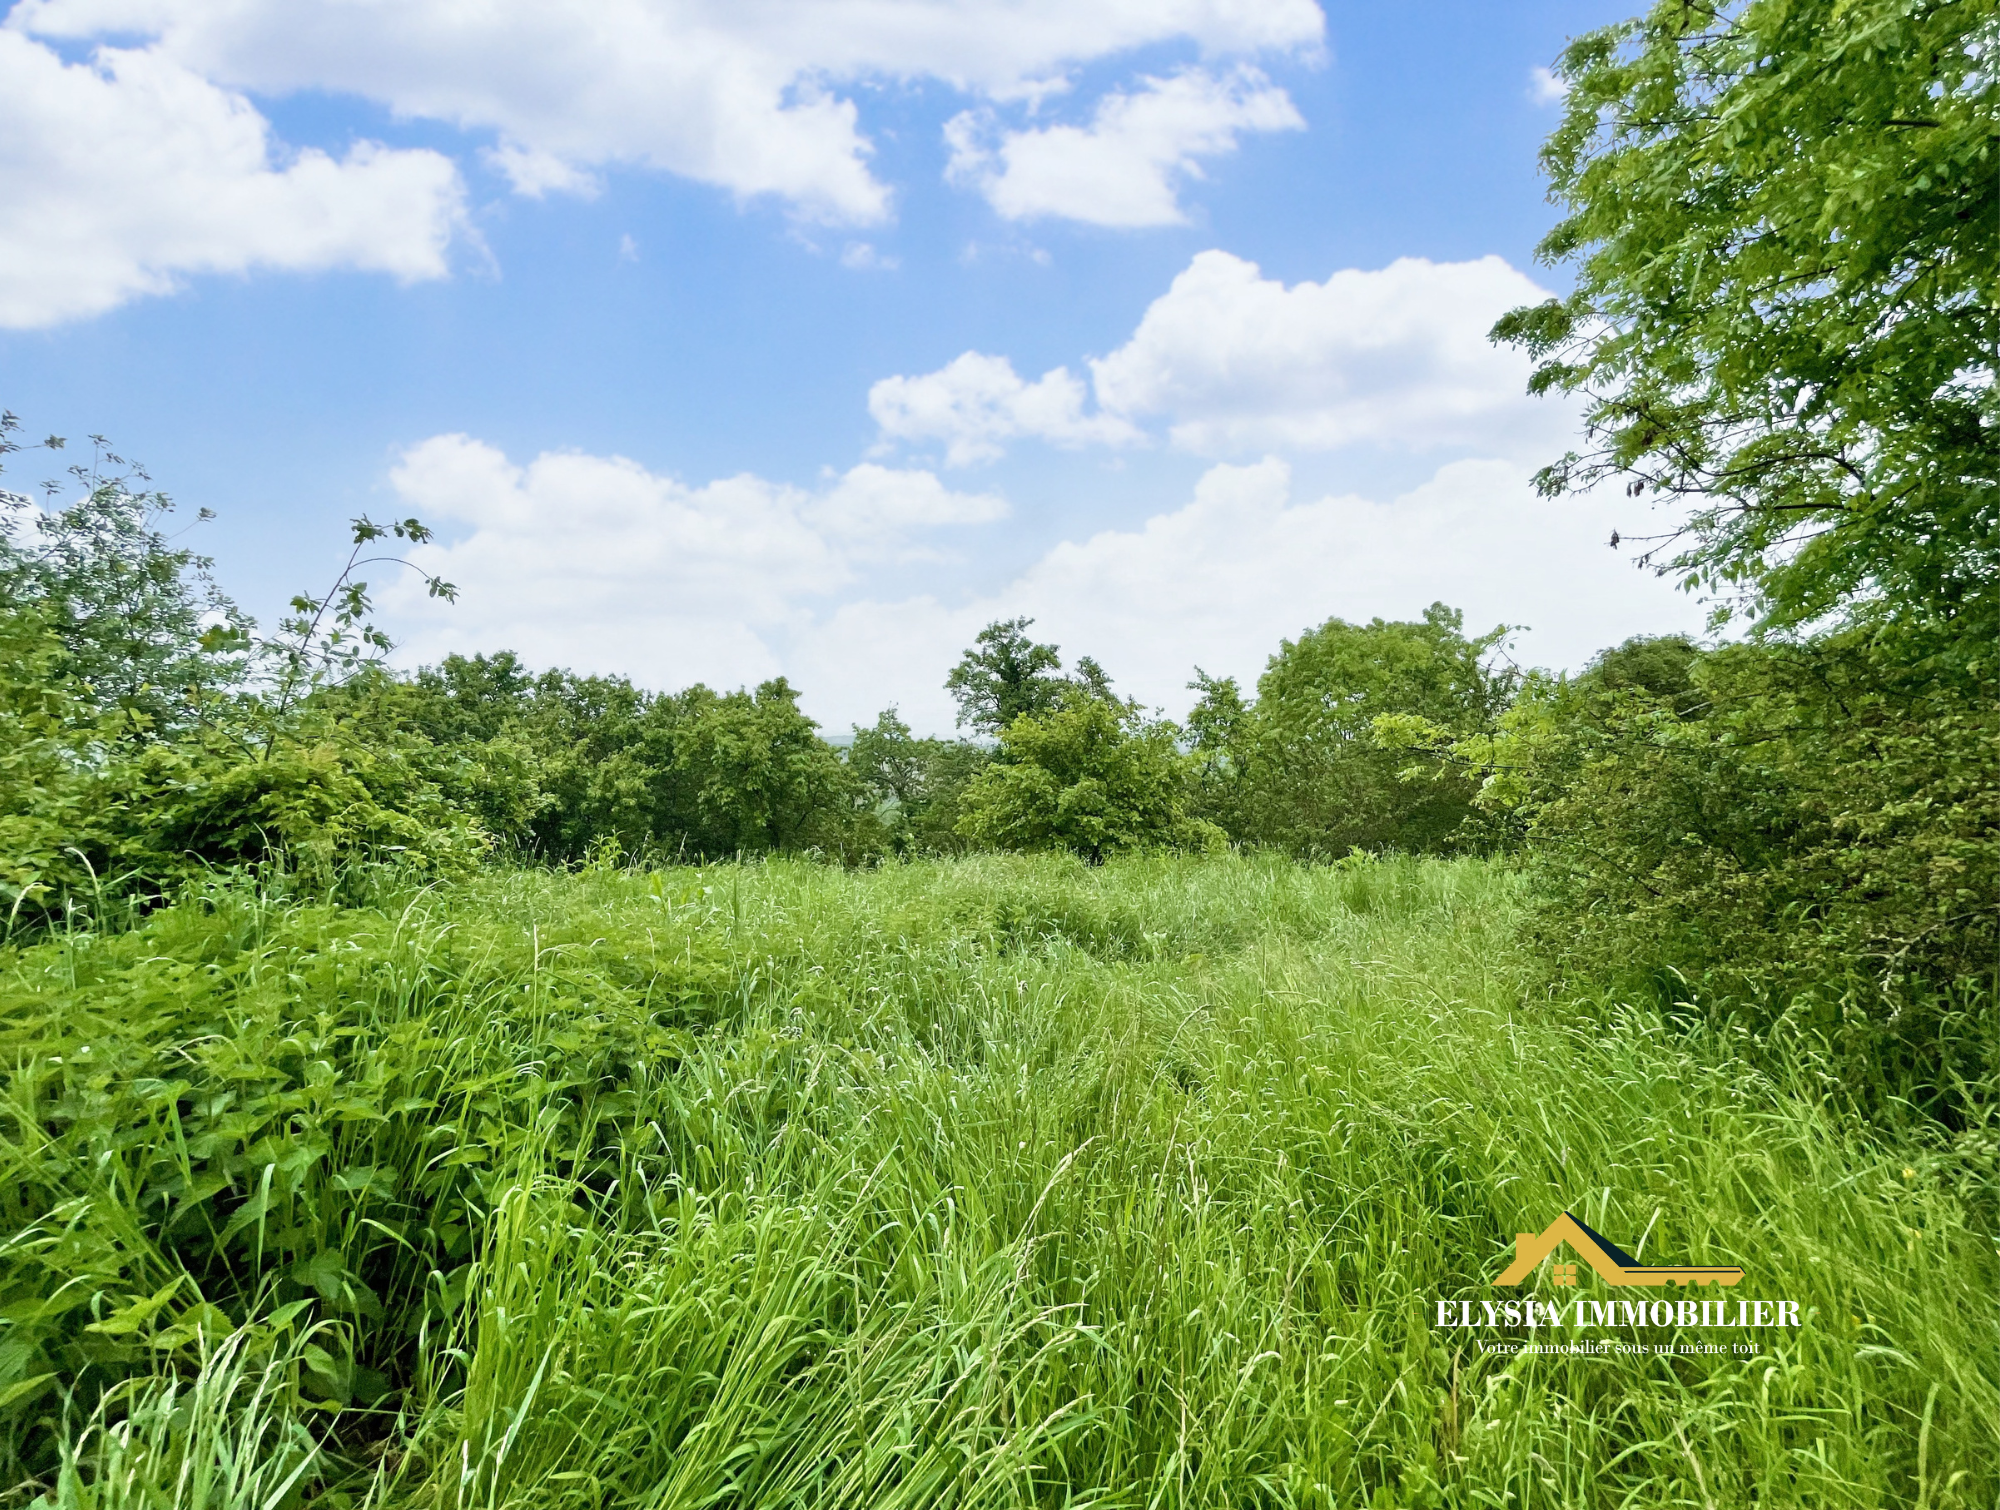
(735, 93)
(1231, 362)
(1124, 169)
(122, 175)
(1220, 581)
(874, 506)
(1544, 88)
(596, 562)
(977, 403)
(1398, 357)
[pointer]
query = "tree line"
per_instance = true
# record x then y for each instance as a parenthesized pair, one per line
(157, 735)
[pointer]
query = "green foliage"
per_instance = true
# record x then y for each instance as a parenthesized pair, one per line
(759, 778)
(151, 740)
(334, 793)
(1302, 770)
(998, 1182)
(48, 818)
(1779, 218)
(563, 764)
(329, 639)
(1090, 776)
(916, 787)
(1780, 222)
(1219, 730)
(1006, 675)
(306, 1116)
(143, 629)
(1808, 831)
(1003, 676)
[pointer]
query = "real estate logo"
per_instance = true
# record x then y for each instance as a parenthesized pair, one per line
(1613, 1264)
(1691, 1325)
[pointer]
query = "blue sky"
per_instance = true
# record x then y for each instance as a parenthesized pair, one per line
(717, 338)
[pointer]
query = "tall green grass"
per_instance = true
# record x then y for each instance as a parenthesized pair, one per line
(987, 1183)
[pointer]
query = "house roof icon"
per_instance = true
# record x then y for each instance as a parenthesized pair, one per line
(1613, 1264)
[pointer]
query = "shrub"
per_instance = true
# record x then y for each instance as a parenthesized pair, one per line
(1093, 777)
(1805, 828)
(47, 816)
(1300, 768)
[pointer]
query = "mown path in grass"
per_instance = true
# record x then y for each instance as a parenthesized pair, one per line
(991, 1182)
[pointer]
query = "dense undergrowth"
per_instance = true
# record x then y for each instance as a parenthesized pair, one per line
(998, 1181)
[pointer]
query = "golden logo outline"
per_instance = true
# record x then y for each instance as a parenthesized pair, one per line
(1613, 1264)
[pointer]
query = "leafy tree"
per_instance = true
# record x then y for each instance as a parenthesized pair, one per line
(889, 760)
(1092, 680)
(578, 762)
(461, 723)
(1780, 223)
(138, 618)
(601, 747)
(1659, 666)
(1090, 776)
(1314, 780)
(1217, 722)
(914, 786)
(1218, 728)
(756, 773)
(1004, 676)
(471, 697)
(1510, 756)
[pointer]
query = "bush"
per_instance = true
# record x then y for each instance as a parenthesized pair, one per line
(46, 806)
(328, 797)
(1092, 777)
(1807, 830)
(1300, 769)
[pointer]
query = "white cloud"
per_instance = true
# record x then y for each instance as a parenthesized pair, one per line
(1399, 357)
(873, 506)
(1544, 88)
(977, 403)
(861, 257)
(1124, 169)
(120, 176)
(595, 562)
(735, 93)
(1219, 582)
(1232, 362)
(536, 175)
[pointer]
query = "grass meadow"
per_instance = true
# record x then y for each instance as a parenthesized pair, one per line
(992, 1182)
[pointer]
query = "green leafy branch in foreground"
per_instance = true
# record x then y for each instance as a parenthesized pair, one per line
(1780, 220)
